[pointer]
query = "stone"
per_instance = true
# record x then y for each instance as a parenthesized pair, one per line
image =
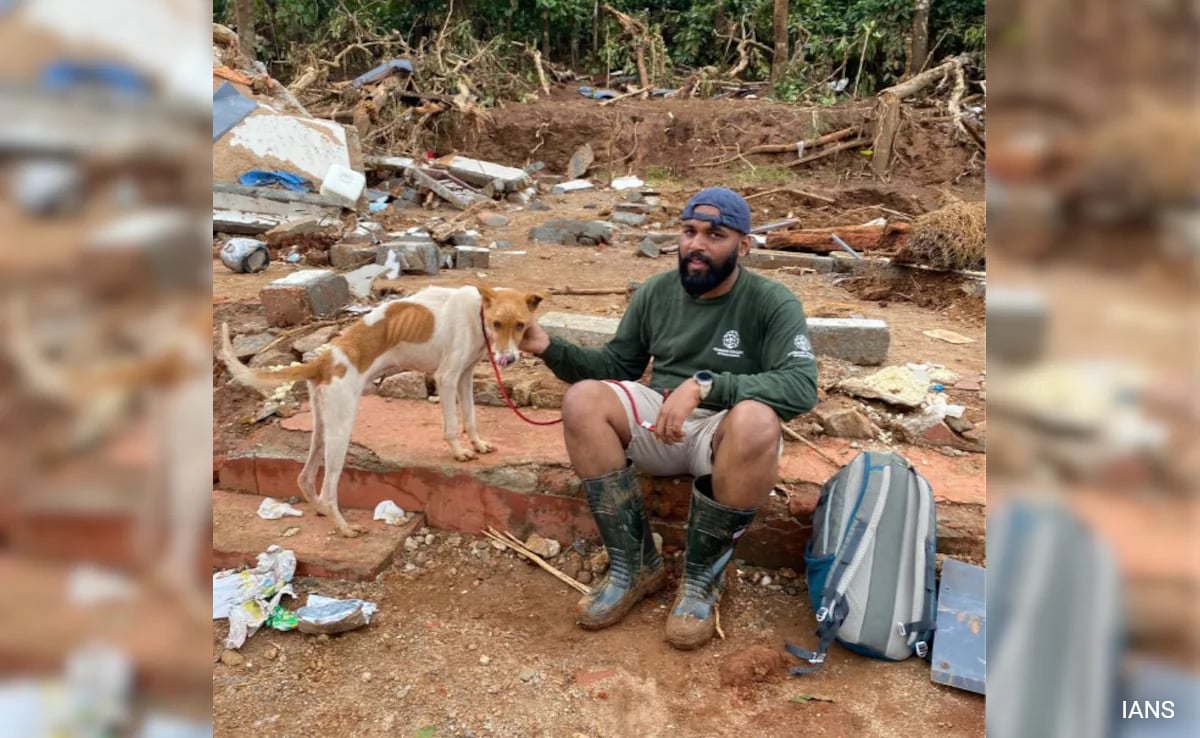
(315, 340)
(787, 573)
(574, 185)
(633, 207)
(663, 238)
(585, 330)
(349, 255)
(411, 544)
(599, 230)
(629, 219)
(539, 206)
(296, 227)
(841, 420)
(405, 386)
(272, 357)
(229, 657)
(764, 259)
(247, 345)
(554, 229)
(897, 385)
(857, 340)
(959, 425)
(527, 674)
(649, 249)
(658, 541)
(271, 652)
(927, 429)
(465, 238)
(361, 280)
(549, 398)
(585, 577)
(304, 295)
(484, 660)
(416, 254)
(471, 257)
(580, 162)
(492, 220)
(598, 561)
(547, 548)
(585, 241)
(634, 196)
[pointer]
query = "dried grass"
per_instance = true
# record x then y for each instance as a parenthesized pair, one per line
(953, 237)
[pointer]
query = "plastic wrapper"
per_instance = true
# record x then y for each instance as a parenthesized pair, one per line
(272, 509)
(248, 598)
(389, 512)
(328, 615)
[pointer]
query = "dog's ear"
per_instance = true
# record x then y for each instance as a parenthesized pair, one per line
(487, 293)
(533, 299)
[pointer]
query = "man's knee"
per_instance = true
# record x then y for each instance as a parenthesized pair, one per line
(585, 402)
(755, 426)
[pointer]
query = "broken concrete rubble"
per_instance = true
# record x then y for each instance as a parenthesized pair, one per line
(481, 173)
(350, 255)
(568, 231)
(304, 295)
(843, 419)
(315, 340)
(250, 211)
(471, 257)
(361, 280)
(629, 219)
(412, 254)
(897, 385)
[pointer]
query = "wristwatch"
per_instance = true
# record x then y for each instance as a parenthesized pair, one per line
(705, 380)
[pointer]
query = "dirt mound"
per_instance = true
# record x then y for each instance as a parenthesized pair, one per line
(752, 665)
(680, 137)
(948, 238)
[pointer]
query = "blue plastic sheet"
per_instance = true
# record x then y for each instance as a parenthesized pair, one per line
(260, 178)
(230, 107)
(68, 75)
(382, 71)
(596, 94)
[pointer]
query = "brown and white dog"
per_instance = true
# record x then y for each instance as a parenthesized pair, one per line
(438, 330)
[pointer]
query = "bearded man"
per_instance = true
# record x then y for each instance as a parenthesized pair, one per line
(732, 361)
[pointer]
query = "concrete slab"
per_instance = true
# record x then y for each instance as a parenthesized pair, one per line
(361, 279)
(857, 340)
(239, 535)
(762, 259)
(585, 330)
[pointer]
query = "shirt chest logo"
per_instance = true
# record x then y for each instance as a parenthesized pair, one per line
(729, 345)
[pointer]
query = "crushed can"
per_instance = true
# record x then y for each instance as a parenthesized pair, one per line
(245, 255)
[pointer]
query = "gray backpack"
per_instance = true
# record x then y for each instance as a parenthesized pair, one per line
(871, 561)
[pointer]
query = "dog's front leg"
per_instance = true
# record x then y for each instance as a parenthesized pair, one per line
(466, 398)
(447, 388)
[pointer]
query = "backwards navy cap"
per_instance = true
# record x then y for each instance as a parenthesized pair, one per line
(734, 211)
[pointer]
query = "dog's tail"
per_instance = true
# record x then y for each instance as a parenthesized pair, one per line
(268, 378)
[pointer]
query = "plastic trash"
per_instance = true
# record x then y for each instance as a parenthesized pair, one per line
(328, 615)
(262, 178)
(377, 207)
(245, 255)
(627, 183)
(596, 94)
(272, 509)
(389, 512)
(282, 619)
(247, 598)
(344, 184)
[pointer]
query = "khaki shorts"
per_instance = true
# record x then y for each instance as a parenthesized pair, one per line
(693, 455)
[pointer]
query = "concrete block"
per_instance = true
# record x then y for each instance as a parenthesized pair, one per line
(584, 330)
(350, 255)
(857, 340)
(763, 259)
(1017, 323)
(416, 254)
(361, 279)
(471, 257)
(304, 295)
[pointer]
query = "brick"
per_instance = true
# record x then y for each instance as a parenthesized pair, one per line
(471, 257)
(239, 535)
(304, 295)
(417, 255)
(350, 255)
(585, 330)
(857, 340)
(405, 386)
(763, 259)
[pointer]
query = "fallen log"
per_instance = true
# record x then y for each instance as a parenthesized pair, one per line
(860, 237)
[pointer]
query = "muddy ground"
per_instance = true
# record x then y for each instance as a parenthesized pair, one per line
(446, 607)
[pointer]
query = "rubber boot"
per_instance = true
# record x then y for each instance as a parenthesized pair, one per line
(712, 533)
(635, 568)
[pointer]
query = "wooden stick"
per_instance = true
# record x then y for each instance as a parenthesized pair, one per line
(514, 543)
(623, 95)
(831, 150)
(717, 618)
(802, 193)
(797, 437)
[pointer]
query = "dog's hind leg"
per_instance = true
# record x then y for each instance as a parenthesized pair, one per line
(448, 392)
(466, 400)
(340, 408)
(307, 481)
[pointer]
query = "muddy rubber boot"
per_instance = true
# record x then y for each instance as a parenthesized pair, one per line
(635, 568)
(712, 533)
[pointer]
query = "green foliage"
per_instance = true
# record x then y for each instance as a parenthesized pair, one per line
(830, 34)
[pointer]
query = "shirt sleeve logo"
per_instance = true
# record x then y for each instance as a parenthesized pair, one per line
(803, 347)
(729, 345)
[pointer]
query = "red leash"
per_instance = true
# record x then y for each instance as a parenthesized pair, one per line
(508, 401)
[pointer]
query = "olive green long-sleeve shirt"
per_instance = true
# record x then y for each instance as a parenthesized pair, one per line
(754, 339)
